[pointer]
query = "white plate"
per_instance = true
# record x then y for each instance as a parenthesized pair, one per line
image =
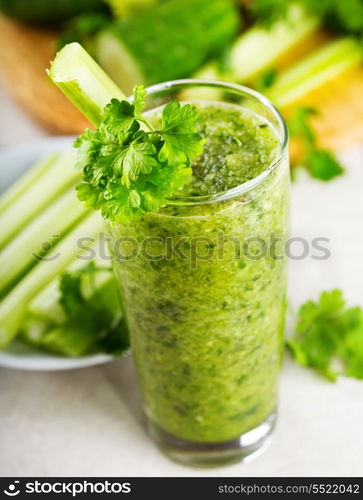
(14, 160)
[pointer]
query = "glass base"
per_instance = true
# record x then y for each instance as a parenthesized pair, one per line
(242, 449)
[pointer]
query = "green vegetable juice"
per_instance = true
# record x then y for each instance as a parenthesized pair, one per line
(203, 284)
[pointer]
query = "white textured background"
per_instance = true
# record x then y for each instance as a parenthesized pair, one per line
(89, 422)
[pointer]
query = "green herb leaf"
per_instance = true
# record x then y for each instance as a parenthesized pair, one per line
(94, 317)
(329, 337)
(140, 95)
(323, 165)
(138, 158)
(320, 163)
(299, 124)
(182, 143)
(119, 118)
(128, 167)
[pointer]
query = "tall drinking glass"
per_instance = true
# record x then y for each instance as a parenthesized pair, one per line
(203, 285)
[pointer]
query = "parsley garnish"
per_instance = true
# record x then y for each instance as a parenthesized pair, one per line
(320, 163)
(128, 167)
(329, 337)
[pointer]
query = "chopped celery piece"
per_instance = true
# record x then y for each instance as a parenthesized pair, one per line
(33, 329)
(23, 183)
(314, 70)
(258, 48)
(37, 238)
(36, 198)
(13, 307)
(82, 334)
(68, 340)
(83, 81)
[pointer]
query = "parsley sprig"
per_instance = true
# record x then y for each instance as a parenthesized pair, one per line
(130, 168)
(329, 337)
(320, 163)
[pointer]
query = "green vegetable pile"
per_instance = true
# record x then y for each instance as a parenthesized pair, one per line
(49, 297)
(149, 41)
(129, 167)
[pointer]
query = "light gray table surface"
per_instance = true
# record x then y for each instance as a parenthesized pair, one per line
(89, 422)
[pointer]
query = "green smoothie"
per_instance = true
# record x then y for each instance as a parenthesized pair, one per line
(204, 289)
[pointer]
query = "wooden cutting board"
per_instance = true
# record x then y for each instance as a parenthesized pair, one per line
(25, 52)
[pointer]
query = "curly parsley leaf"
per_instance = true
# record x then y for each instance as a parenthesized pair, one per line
(140, 95)
(128, 167)
(320, 163)
(329, 337)
(181, 143)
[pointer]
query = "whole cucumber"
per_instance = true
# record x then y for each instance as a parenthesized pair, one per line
(167, 41)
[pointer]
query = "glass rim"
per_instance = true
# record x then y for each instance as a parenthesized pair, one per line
(247, 185)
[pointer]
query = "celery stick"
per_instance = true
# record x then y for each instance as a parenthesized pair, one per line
(54, 181)
(46, 302)
(39, 236)
(67, 340)
(25, 182)
(83, 81)
(316, 69)
(14, 306)
(258, 48)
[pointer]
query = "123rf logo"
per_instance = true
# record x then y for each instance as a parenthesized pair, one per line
(72, 488)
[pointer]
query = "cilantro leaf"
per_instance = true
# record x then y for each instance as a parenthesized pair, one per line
(329, 337)
(320, 163)
(128, 167)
